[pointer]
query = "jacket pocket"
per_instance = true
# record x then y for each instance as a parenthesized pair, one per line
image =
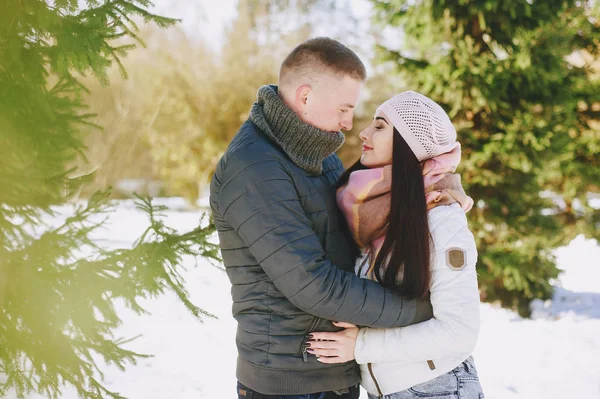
(310, 329)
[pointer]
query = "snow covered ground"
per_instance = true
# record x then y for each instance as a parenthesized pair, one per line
(554, 355)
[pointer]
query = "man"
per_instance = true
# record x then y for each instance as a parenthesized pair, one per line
(285, 245)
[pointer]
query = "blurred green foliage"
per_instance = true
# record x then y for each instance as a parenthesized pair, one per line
(183, 102)
(58, 287)
(178, 111)
(520, 81)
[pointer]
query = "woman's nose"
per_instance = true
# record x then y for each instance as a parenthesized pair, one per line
(363, 135)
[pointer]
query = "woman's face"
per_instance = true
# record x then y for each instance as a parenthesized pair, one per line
(378, 142)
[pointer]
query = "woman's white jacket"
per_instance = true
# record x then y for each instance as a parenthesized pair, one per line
(396, 359)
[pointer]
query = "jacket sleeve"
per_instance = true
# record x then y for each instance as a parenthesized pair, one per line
(260, 202)
(455, 299)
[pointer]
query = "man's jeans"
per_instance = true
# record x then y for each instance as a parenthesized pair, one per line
(460, 383)
(246, 393)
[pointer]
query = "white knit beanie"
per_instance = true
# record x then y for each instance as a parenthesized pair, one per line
(422, 123)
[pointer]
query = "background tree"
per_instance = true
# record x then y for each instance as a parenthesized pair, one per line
(173, 118)
(58, 287)
(527, 115)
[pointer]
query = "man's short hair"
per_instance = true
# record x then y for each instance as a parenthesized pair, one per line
(322, 54)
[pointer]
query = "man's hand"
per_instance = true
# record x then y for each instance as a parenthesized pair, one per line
(334, 347)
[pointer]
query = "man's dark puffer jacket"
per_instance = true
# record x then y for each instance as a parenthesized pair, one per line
(290, 260)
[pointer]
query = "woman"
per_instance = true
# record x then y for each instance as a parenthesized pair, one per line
(406, 209)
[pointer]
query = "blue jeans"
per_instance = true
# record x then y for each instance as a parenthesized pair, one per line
(460, 383)
(246, 393)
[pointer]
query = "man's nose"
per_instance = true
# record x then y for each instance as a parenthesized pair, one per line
(346, 123)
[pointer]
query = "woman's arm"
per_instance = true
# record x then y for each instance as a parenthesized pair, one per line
(454, 328)
(455, 300)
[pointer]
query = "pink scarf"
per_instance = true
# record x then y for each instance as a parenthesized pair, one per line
(365, 200)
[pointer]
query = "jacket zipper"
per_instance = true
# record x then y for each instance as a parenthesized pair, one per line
(303, 348)
(370, 367)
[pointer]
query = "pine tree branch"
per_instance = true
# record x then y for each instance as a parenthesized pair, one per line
(58, 314)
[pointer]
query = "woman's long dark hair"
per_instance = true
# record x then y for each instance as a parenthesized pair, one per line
(406, 249)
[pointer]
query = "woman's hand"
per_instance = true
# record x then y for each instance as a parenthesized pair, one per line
(334, 347)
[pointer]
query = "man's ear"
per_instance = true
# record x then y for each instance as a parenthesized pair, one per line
(302, 94)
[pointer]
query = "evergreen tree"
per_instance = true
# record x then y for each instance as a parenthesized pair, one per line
(58, 287)
(517, 79)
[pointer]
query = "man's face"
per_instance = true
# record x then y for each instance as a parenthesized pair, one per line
(329, 104)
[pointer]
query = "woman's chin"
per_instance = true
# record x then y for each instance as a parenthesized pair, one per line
(364, 160)
(369, 163)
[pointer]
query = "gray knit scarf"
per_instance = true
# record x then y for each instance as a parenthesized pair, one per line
(306, 145)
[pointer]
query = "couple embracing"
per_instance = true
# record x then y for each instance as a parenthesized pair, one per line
(340, 278)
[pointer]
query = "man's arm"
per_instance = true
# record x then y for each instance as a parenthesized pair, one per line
(261, 204)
